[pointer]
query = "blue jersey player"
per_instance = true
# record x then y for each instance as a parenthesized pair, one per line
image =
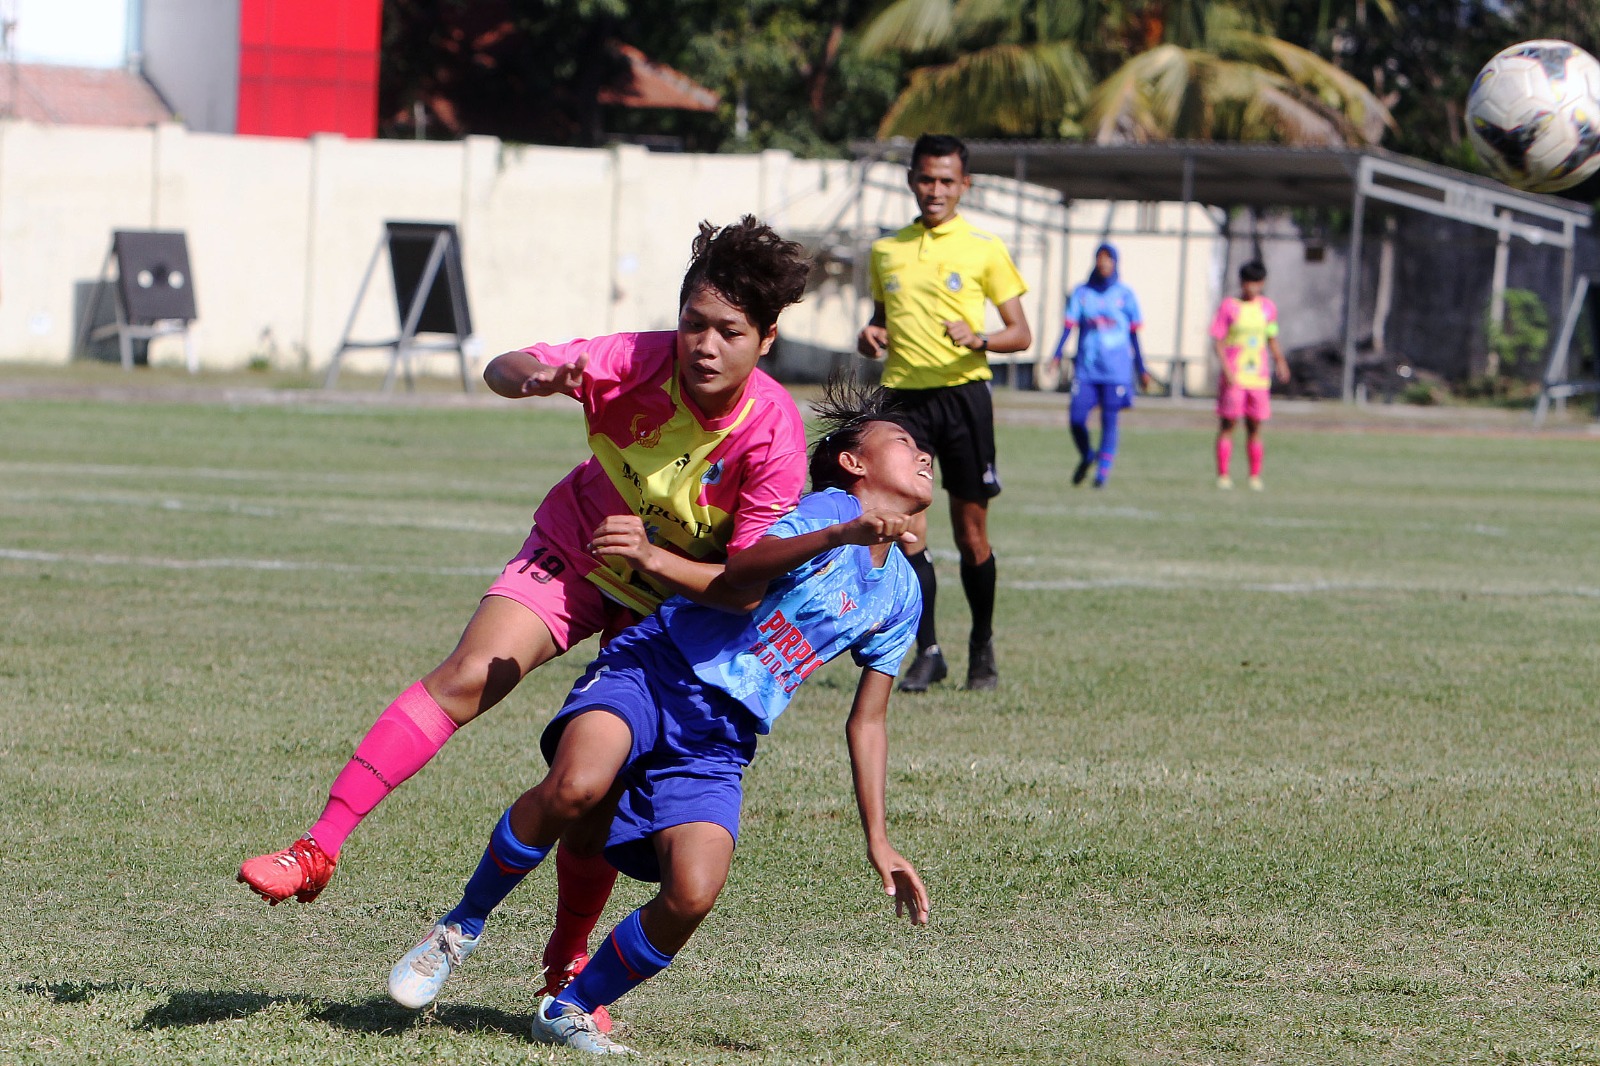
(1106, 314)
(661, 726)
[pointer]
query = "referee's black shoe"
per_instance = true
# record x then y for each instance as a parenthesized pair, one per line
(927, 668)
(981, 671)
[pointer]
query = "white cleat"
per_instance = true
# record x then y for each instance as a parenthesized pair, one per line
(416, 979)
(574, 1029)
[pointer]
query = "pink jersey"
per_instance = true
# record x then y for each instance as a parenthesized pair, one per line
(1244, 327)
(705, 487)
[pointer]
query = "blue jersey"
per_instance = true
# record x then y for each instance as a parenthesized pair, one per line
(833, 602)
(1105, 320)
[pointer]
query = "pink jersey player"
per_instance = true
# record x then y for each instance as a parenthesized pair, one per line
(1244, 335)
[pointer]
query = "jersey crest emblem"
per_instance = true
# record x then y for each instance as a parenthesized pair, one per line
(846, 604)
(953, 282)
(891, 283)
(642, 433)
(713, 474)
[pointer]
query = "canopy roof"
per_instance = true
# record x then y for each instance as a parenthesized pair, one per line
(1227, 175)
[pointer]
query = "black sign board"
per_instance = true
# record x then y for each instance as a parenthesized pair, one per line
(153, 276)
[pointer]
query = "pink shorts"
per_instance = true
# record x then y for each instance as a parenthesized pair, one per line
(545, 581)
(1234, 403)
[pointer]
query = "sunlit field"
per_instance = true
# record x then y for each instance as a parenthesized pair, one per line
(1310, 775)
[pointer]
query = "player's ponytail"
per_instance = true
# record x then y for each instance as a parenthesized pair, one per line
(844, 411)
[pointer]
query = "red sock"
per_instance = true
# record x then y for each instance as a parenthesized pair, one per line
(583, 885)
(1224, 455)
(1255, 450)
(406, 735)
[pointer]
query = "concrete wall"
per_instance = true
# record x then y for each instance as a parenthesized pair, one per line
(191, 56)
(557, 242)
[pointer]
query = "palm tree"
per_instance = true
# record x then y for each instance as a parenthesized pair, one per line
(992, 66)
(1234, 84)
(1177, 68)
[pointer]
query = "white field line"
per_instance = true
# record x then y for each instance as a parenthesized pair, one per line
(1300, 588)
(1197, 582)
(257, 510)
(62, 473)
(1146, 514)
(149, 562)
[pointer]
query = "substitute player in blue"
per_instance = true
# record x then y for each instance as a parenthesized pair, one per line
(656, 734)
(1106, 314)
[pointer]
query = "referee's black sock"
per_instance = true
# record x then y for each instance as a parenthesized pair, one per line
(978, 582)
(923, 567)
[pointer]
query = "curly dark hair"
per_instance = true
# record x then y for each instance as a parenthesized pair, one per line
(844, 411)
(750, 266)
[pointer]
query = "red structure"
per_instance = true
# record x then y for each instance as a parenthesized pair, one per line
(309, 66)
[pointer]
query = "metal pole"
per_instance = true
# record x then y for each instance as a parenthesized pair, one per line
(1178, 367)
(1352, 286)
(408, 329)
(1019, 172)
(350, 323)
(1497, 286)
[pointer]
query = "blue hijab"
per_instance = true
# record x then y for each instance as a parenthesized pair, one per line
(1098, 283)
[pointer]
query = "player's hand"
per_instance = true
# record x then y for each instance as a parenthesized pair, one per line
(873, 341)
(960, 333)
(880, 527)
(623, 537)
(1144, 382)
(1282, 373)
(900, 880)
(550, 380)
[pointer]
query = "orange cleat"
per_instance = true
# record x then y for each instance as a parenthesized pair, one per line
(301, 870)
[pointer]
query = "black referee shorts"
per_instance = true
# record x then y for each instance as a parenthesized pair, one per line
(956, 425)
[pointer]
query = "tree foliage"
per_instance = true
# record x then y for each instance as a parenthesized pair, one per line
(811, 75)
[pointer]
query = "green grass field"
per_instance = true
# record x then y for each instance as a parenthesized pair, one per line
(1305, 776)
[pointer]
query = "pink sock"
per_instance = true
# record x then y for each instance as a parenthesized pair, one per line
(583, 885)
(1224, 455)
(409, 732)
(1255, 450)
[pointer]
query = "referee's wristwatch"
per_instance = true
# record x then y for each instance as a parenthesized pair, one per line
(983, 342)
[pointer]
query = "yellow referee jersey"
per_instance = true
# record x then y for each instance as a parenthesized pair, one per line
(927, 277)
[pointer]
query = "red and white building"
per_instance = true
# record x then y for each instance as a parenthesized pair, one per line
(279, 68)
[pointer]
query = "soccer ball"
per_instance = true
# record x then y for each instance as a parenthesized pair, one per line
(1534, 115)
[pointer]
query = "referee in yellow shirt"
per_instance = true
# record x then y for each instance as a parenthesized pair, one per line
(929, 284)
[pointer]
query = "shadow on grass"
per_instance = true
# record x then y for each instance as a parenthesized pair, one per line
(377, 1015)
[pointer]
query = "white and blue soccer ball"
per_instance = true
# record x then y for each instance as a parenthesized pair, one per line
(1534, 115)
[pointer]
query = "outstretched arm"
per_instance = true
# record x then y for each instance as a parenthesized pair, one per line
(869, 761)
(772, 557)
(516, 375)
(739, 584)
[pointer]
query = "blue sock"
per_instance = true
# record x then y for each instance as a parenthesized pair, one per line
(506, 861)
(1080, 439)
(625, 960)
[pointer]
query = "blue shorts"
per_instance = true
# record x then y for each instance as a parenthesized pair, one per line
(691, 743)
(1087, 395)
